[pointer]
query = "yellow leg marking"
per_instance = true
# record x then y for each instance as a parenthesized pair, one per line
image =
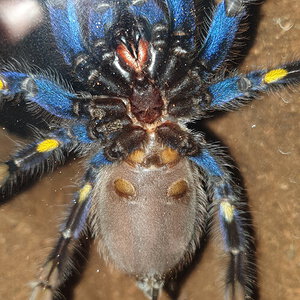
(275, 75)
(178, 189)
(3, 84)
(227, 211)
(84, 192)
(4, 173)
(47, 145)
(124, 188)
(169, 155)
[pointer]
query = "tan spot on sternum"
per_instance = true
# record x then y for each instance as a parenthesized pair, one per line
(178, 189)
(136, 157)
(124, 188)
(169, 156)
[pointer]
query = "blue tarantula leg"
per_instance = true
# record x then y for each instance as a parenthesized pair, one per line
(39, 90)
(67, 32)
(234, 91)
(221, 35)
(66, 28)
(150, 10)
(47, 151)
(100, 19)
(58, 264)
(232, 225)
(182, 14)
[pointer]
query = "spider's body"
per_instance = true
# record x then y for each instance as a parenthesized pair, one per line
(151, 185)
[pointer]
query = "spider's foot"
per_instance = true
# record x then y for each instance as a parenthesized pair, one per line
(238, 279)
(46, 287)
(41, 292)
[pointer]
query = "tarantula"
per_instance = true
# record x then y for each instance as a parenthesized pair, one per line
(151, 186)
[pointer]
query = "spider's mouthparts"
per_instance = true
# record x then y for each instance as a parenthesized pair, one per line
(134, 57)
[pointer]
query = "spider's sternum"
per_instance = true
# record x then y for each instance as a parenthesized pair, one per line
(146, 101)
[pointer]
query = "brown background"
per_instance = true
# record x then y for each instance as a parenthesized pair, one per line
(263, 139)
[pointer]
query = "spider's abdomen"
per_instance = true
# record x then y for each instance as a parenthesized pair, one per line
(146, 209)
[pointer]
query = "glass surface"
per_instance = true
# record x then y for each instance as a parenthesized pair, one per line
(263, 138)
